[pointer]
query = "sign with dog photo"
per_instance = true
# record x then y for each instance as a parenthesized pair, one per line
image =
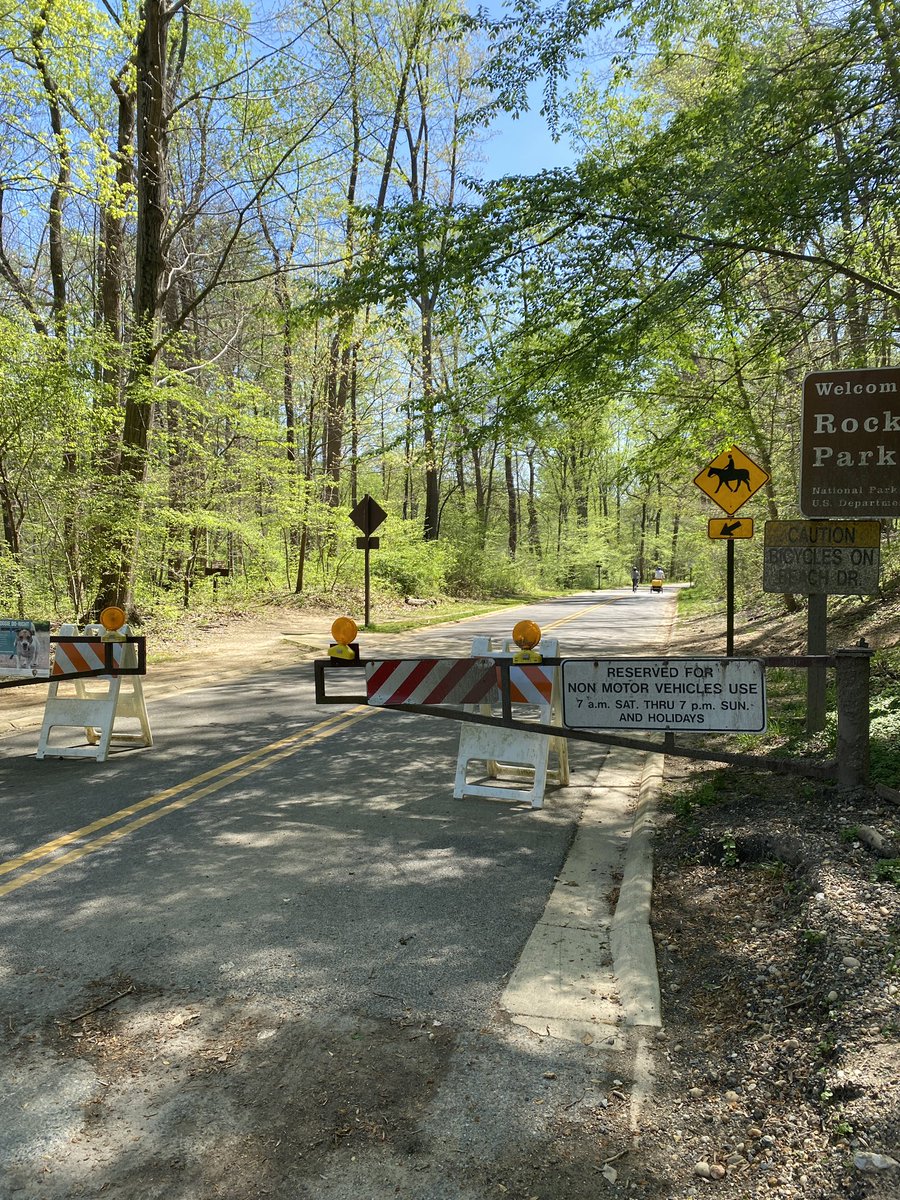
(25, 648)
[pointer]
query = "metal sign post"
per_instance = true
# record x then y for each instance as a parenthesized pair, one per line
(367, 516)
(729, 481)
(729, 600)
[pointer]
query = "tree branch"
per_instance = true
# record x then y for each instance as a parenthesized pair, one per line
(717, 243)
(9, 273)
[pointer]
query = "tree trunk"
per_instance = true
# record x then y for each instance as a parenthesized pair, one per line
(673, 549)
(12, 515)
(432, 516)
(512, 507)
(152, 215)
(116, 582)
(534, 533)
(112, 256)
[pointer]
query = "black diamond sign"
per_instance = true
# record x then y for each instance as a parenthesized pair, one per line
(367, 515)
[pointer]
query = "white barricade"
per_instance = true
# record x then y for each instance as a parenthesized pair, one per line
(509, 753)
(98, 702)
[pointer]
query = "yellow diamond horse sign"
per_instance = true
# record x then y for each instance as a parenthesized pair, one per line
(731, 479)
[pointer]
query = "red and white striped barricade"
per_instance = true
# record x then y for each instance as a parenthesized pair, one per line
(98, 702)
(432, 681)
(509, 754)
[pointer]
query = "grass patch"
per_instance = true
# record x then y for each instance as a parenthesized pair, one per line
(441, 613)
(888, 871)
(703, 793)
(694, 602)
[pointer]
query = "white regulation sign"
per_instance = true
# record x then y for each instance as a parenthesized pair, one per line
(721, 695)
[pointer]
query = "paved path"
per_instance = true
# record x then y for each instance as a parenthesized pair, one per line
(317, 944)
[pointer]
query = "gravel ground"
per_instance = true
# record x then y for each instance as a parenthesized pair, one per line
(778, 1069)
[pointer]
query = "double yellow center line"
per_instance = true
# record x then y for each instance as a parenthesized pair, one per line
(580, 612)
(126, 820)
(154, 807)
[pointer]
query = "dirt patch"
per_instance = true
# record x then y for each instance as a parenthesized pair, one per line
(222, 1099)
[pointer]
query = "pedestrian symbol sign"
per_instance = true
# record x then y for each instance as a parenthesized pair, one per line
(731, 479)
(720, 528)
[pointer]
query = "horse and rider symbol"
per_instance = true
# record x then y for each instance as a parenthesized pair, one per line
(731, 479)
(730, 475)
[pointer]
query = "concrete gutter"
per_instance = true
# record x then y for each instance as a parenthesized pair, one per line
(586, 971)
(630, 936)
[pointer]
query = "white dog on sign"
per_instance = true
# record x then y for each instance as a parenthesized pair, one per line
(25, 648)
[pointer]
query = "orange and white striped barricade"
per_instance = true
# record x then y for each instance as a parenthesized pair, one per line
(99, 701)
(509, 754)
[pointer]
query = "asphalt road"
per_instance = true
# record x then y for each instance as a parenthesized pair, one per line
(269, 866)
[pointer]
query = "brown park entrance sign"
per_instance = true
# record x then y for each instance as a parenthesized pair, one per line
(850, 443)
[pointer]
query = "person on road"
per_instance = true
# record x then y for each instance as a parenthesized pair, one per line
(658, 577)
(635, 579)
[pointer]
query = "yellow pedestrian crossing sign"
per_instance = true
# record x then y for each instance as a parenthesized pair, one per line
(730, 528)
(731, 479)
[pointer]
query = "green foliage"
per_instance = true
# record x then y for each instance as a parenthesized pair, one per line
(884, 726)
(702, 794)
(884, 740)
(888, 871)
(813, 937)
(541, 368)
(409, 566)
(729, 849)
(476, 571)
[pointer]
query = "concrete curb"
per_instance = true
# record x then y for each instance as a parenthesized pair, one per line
(630, 936)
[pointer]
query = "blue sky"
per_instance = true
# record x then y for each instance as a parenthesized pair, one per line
(523, 146)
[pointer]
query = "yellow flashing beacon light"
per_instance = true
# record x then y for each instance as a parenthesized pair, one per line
(344, 630)
(112, 619)
(526, 635)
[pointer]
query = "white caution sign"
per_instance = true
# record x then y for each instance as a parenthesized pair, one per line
(714, 695)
